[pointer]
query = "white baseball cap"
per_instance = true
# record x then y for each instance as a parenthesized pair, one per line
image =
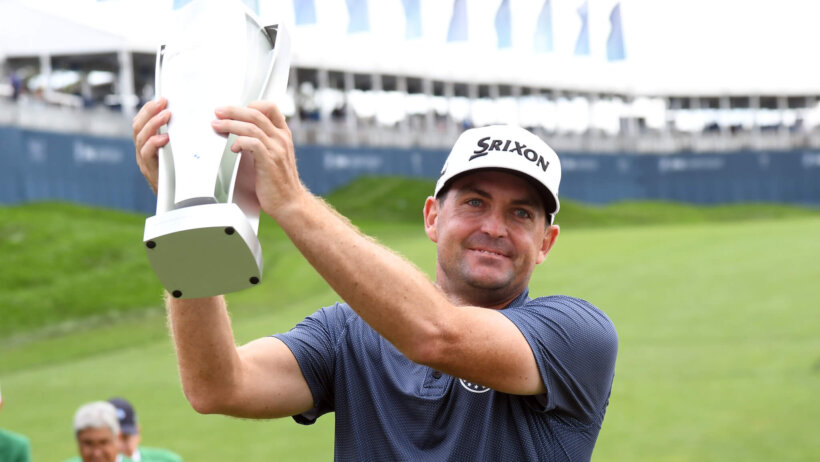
(505, 147)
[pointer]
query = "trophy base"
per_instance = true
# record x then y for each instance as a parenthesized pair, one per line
(203, 250)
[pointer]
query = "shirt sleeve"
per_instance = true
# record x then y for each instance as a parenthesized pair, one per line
(313, 342)
(575, 345)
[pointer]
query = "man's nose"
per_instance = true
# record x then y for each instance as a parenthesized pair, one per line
(494, 224)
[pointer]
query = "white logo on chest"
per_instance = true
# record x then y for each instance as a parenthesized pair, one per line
(473, 387)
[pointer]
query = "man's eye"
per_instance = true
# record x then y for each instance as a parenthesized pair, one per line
(521, 213)
(474, 202)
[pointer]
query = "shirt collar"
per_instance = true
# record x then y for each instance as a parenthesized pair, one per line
(521, 300)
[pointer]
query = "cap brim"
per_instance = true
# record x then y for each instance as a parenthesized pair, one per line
(551, 204)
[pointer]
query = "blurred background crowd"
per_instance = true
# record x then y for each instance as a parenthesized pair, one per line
(591, 75)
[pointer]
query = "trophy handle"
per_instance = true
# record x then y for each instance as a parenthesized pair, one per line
(277, 81)
(165, 179)
(242, 183)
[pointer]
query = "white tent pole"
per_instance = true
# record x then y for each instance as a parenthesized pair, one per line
(350, 115)
(725, 107)
(377, 87)
(592, 127)
(126, 83)
(472, 96)
(453, 129)
(429, 116)
(404, 128)
(516, 93)
(322, 83)
(754, 106)
(45, 70)
(782, 106)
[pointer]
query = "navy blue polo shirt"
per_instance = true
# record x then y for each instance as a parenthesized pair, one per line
(390, 408)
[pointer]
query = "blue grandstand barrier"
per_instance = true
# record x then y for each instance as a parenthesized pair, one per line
(38, 166)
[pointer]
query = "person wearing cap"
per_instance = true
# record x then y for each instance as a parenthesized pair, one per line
(469, 367)
(14, 447)
(97, 432)
(130, 438)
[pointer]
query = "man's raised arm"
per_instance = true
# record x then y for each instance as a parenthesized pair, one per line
(387, 291)
(260, 379)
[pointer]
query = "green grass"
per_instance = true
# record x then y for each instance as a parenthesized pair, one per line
(716, 313)
(66, 262)
(719, 350)
(74, 267)
(399, 199)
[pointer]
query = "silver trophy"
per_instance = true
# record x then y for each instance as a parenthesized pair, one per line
(203, 239)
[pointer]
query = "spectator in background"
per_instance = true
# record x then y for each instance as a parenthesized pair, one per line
(16, 86)
(129, 441)
(97, 431)
(13, 447)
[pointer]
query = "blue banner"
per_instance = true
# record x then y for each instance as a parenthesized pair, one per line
(180, 3)
(503, 25)
(252, 4)
(304, 12)
(412, 17)
(543, 30)
(615, 43)
(457, 32)
(359, 18)
(582, 43)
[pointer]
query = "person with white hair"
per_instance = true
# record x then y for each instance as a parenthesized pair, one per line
(13, 446)
(97, 431)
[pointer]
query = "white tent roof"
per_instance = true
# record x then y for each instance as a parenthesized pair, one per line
(28, 30)
(692, 47)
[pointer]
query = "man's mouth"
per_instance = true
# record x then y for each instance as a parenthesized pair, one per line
(490, 247)
(489, 252)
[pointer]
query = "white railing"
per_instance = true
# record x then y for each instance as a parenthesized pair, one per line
(102, 121)
(37, 115)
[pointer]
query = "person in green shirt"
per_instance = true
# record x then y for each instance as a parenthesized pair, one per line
(13, 446)
(97, 431)
(130, 437)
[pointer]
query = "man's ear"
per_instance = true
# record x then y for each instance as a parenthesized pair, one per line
(431, 206)
(550, 236)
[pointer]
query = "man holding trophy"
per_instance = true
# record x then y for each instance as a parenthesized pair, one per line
(468, 367)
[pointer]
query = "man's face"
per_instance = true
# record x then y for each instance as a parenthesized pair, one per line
(97, 445)
(491, 231)
(129, 443)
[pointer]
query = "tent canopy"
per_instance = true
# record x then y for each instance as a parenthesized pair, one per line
(666, 53)
(29, 31)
